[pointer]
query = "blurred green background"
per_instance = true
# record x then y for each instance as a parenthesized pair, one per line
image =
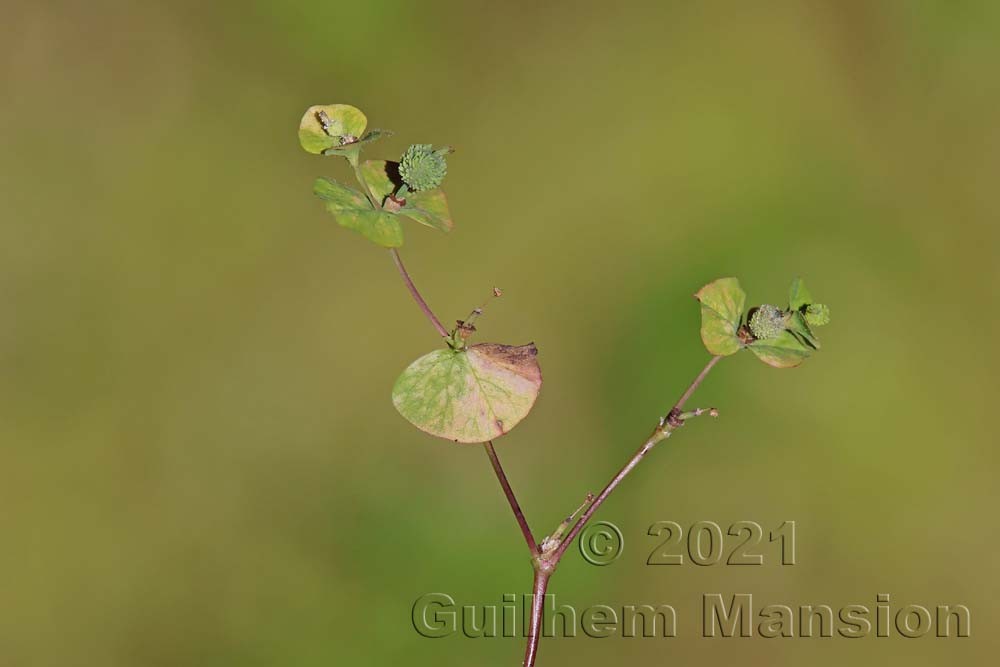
(200, 463)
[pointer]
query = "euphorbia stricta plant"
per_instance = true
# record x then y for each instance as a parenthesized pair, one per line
(475, 393)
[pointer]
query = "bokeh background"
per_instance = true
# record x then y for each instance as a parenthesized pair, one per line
(199, 460)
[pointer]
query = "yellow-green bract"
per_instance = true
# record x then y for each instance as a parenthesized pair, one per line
(471, 395)
(722, 303)
(346, 125)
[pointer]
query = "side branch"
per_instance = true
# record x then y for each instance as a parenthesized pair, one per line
(661, 432)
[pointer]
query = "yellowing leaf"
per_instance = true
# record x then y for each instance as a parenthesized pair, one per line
(722, 303)
(344, 124)
(470, 395)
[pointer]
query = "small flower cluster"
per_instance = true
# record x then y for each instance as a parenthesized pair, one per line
(422, 167)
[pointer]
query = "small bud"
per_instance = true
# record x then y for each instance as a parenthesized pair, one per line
(767, 322)
(393, 205)
(817, 314)
(423, 168)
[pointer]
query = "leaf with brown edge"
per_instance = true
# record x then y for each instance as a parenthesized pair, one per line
(471, 395)
(722, 302)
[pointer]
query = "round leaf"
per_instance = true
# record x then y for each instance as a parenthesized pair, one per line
(722, 303)
(470, 395)
(344, 121)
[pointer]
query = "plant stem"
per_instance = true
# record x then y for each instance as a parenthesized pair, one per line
(686, 396)
(397, 259)
(538, 588)
(514, 506)
(416, 294)
(545, 564)
(661, 432)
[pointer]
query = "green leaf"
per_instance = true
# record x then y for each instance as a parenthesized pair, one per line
(429, 207)
(340, 197)
(345, 122)
(800, 328)
(377, 226)
(470, 395)
(355, 147)
(722, 303)
(798, 299)
(382, 177)
(785, 351)
(374, 135)
(798, 295)
(353, 211)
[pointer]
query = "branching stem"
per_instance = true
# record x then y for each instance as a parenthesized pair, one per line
(661, 432)
(546, 562)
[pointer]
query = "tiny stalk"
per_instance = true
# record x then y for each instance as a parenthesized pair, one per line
(477, 393)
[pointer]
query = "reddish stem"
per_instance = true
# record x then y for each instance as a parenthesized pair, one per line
(507, 491)
(545, 564)
(416, 294)
(541, 584)
(659, 433)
